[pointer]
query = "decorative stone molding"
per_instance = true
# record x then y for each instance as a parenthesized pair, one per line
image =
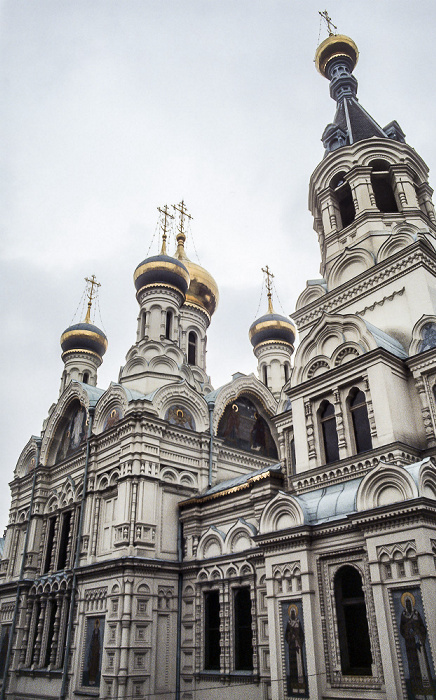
(74, 391)
(281, 513)
(182, 393)
(384, 485)
(390, 297)
(251, 387)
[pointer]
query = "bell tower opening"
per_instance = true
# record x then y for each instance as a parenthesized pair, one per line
(344, 199)
(382, 187)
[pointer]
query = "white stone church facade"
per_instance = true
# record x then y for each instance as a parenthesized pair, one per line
(272, 538)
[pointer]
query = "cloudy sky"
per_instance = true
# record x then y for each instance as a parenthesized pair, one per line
(111, 108)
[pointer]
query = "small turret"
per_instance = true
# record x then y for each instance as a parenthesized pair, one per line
(83, 345)
(273, 337)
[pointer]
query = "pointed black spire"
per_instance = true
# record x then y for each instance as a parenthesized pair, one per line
(335, 59)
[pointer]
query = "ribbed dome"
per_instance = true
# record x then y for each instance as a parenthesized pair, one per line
(332, 47)
(203, 290)
(85, 337)
(272, 328)
(162, 269)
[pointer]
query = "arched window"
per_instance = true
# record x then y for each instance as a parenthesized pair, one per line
(192, 348)
(85, 377)
(382, 187)
(265, 375)
(353, 633)
(428, 335)
(359, 417)
(329, 432)
(142, 324)
(286, 368)
(169, 325)
(344, 199)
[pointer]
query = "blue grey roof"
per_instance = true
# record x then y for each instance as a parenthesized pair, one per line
(330, 502)
(386, 341)
(238, 480)
(93, 392)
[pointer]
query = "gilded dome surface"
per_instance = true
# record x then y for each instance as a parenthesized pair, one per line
(272, 328)
(85, 337)
(202, 290)
(335, 45)
(162, 269)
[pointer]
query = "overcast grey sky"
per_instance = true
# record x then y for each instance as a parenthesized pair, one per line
(110, 108)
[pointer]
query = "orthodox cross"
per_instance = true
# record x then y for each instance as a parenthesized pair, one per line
(181, 208)
(91, 295)
(164, 226)
(328, 21)
(268, 282)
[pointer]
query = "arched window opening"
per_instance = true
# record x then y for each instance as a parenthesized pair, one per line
(265, 375)
(243, 631)
(169, 325)
(286, 368)
(85, 379)
(329, 433)
(192, 348)
(353, 633)
(359, 417)
(212, 631)
(382, 187)
(49, 545)
(344, 199)
(142, 324)
(293, 460)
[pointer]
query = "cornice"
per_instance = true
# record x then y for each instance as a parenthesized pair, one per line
(234, 489)
(374, 278)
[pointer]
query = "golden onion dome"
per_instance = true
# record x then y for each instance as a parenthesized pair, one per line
(84, 337)
(202, 290)
(336, 45)
(272, 328)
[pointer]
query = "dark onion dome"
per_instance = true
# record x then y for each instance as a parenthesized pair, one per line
(335, 46)
(84, 337)
(272, 328)
(203, 290)
(161, 270)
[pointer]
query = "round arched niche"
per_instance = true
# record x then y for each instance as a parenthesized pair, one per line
(70, 433)
(241, 426)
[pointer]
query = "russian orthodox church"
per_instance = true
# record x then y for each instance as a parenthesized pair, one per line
(275, 537)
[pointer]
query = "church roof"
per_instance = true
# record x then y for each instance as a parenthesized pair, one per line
(238, 481)
(386, 341)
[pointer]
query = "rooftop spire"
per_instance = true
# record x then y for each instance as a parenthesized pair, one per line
(181, 236)
(91, 294)
(268, 283)
(336, 58)
(328, 21)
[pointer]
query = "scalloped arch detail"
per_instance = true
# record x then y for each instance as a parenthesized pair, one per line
(184, 395)
(74, 391)
(351, 263)
(251, 387)
(282, 513)
(384, 485)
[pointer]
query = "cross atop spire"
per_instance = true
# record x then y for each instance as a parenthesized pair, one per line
(91, 294)
(164, 226)
(328, 21)
(181, 208)
(268, 283)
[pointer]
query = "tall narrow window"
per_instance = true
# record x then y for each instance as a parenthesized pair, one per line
(192, 348)
(329, 433)
(48, 647)
(286, 368)
(49, 544)
(265, 375)
(212, 631)
(63, 541)
(169, 325)
(359, 416)
(382, 187)
(243, 631)
(344, 199)
(354, 642)
(85, 378)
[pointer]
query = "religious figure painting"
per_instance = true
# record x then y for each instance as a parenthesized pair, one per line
(415, 649)
(295, 650)
(243, 427)
(112, 418)
(73, 434)
(180, 416)
(93, 652)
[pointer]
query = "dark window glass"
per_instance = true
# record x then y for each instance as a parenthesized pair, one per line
(53, 609)
(85, 378)
(329, 433)
(168, 325)
(354, 643)
(382, 187)
(192, 348)
(63, 541)
(5, 630)
(359, 415)
(265, 375)
(212, 631)
(293, 461)
(243, 631)
(49, 545)
(286, 373)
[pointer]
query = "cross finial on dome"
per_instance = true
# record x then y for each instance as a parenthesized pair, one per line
(164, 226)
(268, 283)
(91, 294)
(328, 21)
